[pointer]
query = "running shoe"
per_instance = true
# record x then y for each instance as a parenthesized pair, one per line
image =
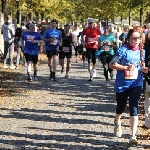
(91, 78)
(94, 72)
(5, 67)
(66, 76)
(117, 130)
(133, 141)
(51, 75)
(12, 67)
(35, 78)
(29, 79)
(107, 83)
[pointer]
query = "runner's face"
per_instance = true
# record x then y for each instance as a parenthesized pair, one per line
(67, 28)
(106, 30)
(135, 39)
(91, 24)
(53, 25)
(32, 29)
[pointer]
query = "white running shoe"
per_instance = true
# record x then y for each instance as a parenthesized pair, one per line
(117, 130)
(12, 67)
(5, 67)
(94, 72)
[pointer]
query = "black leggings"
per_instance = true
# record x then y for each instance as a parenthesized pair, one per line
(134, 97)
(105, 60)
(90, 53)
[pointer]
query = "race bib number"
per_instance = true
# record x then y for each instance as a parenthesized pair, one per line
(65, 49)
(106, 48)
(131, 74)
(54, 42)
(91, 40)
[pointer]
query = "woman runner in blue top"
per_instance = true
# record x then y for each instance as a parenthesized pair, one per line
(129, 63)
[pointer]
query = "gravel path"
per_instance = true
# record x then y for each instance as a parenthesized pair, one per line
(70, 114)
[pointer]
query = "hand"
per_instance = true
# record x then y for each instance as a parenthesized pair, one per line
(131, 67)
(83, 43)
(145, 69)
(33, 41)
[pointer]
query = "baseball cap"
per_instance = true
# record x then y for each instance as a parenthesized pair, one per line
(90, 20)
(31, 25)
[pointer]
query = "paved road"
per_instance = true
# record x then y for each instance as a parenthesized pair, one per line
(70, 114)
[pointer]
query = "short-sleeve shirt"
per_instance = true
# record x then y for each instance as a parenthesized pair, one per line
(31, 48)
(49, 33)
(110, 38)
(91, 34)
(128, 56)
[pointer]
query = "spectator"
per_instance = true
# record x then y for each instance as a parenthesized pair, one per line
(8, 31)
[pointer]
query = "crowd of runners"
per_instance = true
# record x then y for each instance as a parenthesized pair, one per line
(122, 49)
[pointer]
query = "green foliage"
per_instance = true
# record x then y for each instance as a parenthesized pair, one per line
(73, 10)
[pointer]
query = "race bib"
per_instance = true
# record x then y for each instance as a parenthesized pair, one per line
(131, 74)
(91, 40)
(54, 42)
(65, 49)
(106, 48)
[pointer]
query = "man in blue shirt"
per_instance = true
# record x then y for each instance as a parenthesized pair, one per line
(52, 38)
(30, 40)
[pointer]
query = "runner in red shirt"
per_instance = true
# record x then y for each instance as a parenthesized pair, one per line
(90, 42)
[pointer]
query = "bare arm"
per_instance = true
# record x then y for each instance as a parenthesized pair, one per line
(117, 66)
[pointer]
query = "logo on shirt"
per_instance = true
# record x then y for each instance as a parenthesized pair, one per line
(30, 38)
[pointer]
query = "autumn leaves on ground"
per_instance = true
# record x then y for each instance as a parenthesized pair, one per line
(6, 89)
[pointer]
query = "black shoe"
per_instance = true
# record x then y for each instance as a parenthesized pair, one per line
(54, 77)
(29, 79)
(51, 75)
(90, 79)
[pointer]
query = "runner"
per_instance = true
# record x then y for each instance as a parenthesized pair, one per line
(91, 35)
(18, 43)
(52, 39)
(66, 49)
(106, 48)
(75, 34)
(129, 63)
(31, 50)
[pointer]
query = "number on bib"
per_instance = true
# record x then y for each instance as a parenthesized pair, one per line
(131, 74)
(65, 49)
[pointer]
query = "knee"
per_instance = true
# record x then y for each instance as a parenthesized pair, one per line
(134, 111)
